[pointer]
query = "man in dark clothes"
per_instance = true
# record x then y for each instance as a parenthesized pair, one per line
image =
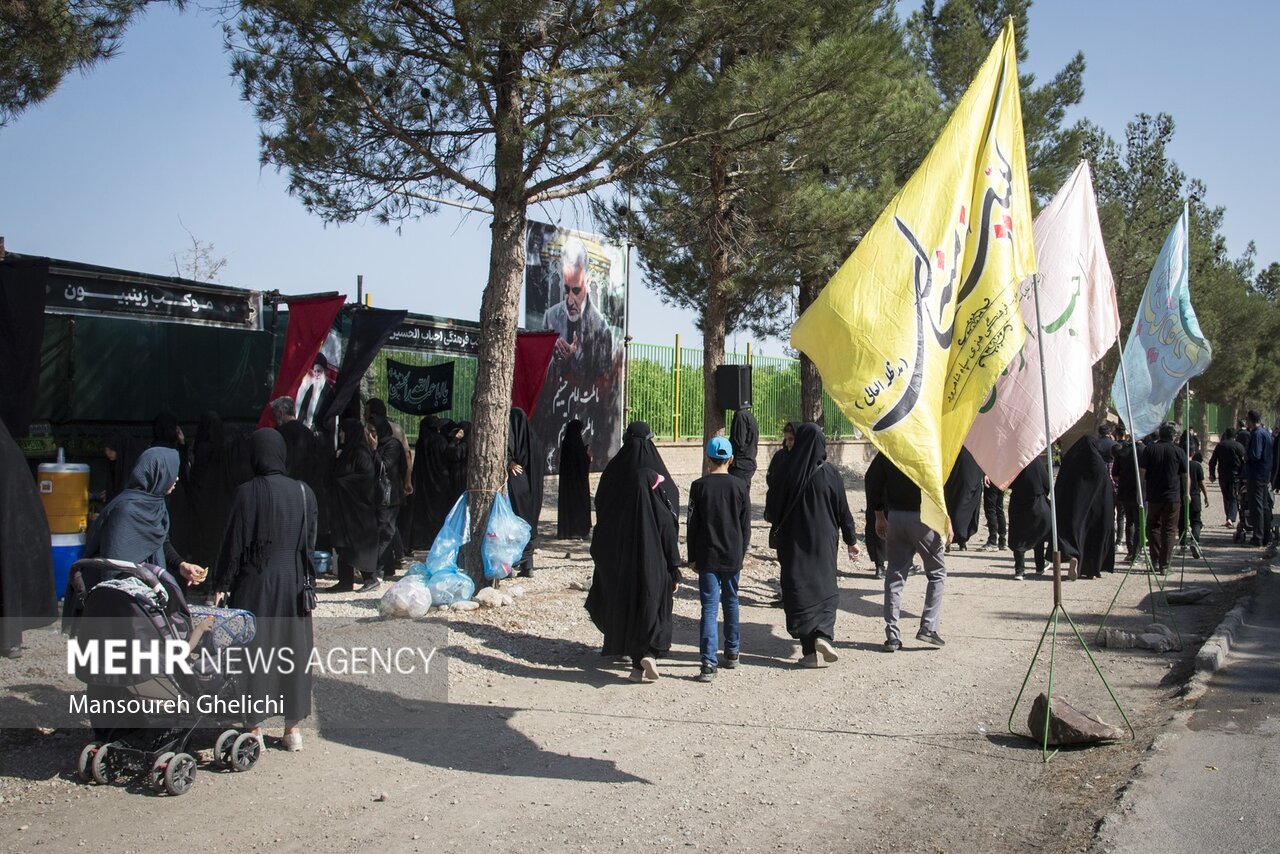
(744, 436)
(963, 494)
(524, 481)
(1125, 473)
(1257, 476)
(1086, 508)
(27, 597)
(719, 530)
(993, 509)
(1164, 473)
(896, 501)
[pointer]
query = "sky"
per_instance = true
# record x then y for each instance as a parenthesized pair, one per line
(123, 161)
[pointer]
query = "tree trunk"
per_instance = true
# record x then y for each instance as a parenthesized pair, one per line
(810, 379)
(487, 454)
(715, 312)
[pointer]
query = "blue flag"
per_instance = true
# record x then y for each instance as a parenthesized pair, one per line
(1166, 347)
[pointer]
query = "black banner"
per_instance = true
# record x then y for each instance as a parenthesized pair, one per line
(70, 291)
(420, 389)
(370, 330)
(435, 337)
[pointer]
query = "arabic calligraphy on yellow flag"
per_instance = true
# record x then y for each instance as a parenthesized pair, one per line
(912, 332)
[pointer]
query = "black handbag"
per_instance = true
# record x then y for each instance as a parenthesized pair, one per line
(307, 595)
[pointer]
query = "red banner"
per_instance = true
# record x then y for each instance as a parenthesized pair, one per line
(309, 323)
(533, 354)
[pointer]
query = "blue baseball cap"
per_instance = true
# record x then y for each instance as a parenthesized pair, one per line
(719, 448)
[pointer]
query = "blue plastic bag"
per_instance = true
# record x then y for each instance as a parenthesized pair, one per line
(455, 533)
(504, 539)
(448, 587)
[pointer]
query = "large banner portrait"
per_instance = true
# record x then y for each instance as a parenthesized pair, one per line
(574, 285)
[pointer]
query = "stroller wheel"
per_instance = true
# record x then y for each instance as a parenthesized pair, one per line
(180, 774)
(83, 765)
(222, 748)
(246, 751)
(156, 775)
(100, 767)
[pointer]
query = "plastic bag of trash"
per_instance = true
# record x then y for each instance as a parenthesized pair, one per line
(449, 587)
(454, 534)
(408, 597)
(504, 539)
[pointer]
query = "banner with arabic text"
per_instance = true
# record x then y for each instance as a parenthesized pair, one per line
(420, 389)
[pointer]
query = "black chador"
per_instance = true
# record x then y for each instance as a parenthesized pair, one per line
(963, 493)
(1086, 508)
(524, 489)
(573, 513)
(1029, 515)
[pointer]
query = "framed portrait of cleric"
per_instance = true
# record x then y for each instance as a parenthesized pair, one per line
(574, 285)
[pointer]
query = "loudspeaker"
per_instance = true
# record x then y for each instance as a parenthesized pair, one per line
(733, 386)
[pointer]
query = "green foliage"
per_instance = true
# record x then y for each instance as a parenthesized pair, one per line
(44, 40)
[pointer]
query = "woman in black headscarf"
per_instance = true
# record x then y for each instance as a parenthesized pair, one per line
(219, 464)
(636, 553)
(122, 452)
(27, 597)
(573, 515)
(264, 565)
(637, 453)
(807, 504)
(963, 494)
(524, 481)
(1086, 503)
(390, 455)
(354, 519)
(134, 526)
(1030, 520)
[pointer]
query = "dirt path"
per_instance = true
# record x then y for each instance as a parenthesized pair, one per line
(544, 745)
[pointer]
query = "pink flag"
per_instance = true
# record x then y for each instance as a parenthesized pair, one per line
(1080, 320)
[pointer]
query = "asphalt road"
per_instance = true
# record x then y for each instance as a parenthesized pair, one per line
(1215, 783)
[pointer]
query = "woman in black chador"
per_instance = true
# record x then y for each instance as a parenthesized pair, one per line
(353, 487)
(430, 483)
(264, 565)
(573, 515)
(524, 481)
(27, 597)
(963, 494)
(637, 555)
(1030, 519)
(122, 452)
(391, 455)
(807, 504)
(637, 452)
(1086, 509)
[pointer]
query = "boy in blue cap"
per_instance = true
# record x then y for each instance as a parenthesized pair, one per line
(719, 532)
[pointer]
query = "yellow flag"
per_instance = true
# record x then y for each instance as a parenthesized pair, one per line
(912, 332)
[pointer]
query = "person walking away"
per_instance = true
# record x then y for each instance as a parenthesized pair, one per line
(963, 495)
(264, 567)
(1164, 473)
(1030, 519)
(1225, 464)
(809, 511)
(875, 544)
(993, 510)
(524, 482)
(573, 503)
(354, 487)
(636, 552)
(1195, 472)
(1125, 473)
(719, 532)
(744, 436)
(896, 500)
(1086, 508)
(1257, 472)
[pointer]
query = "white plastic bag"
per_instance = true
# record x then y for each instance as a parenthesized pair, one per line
(408, 597)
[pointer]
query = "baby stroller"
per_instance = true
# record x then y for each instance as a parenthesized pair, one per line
(154, 706)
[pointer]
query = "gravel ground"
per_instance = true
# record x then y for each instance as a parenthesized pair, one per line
(544, 745)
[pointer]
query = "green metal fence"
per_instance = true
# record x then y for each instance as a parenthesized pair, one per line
(667, 393)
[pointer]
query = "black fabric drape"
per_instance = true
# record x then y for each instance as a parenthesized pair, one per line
(1086, 508)
(354, 491)
(1030, 521)
(27, 597)
(636, 551)
(263, 563)
(810, 508)
(963, 494)
(370, 329)
(22, 303)
(573, 513)
(525, 489)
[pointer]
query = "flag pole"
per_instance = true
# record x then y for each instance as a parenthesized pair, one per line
(1141, 545)
(1058, 608)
